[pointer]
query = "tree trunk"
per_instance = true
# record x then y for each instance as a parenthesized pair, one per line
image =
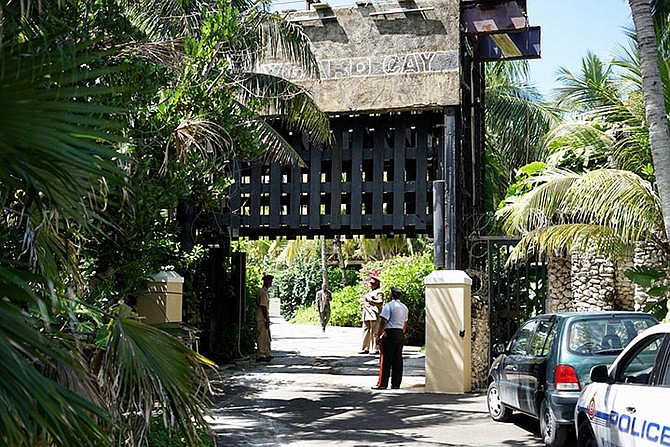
(324, 267)
(337, 246)
(652, 90)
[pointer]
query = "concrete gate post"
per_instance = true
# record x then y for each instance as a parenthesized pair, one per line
(448, 353)
(162, 301)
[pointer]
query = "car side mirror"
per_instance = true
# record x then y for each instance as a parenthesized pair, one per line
(498, 348)
(599, 374)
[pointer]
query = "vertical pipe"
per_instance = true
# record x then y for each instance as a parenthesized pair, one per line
(438, 222)
(450, 188)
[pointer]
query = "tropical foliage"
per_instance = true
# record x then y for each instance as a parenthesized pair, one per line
(601, 188)
(118, 121)
(512, 103)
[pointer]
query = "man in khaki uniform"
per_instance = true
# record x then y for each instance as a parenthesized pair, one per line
(263, 321)
(372, 305)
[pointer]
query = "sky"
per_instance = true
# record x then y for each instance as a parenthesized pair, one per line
(572, 27)
(569, 29)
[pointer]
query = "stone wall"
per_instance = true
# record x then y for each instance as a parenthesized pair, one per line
(586, 282)
(480, 339)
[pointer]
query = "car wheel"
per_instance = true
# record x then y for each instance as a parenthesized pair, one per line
(497, 409)
(553, 433)
(585, 436)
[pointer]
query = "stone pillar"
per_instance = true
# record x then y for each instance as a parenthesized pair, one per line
(162, 301)
(448, 345)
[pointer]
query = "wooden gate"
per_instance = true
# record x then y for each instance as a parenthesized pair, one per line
(376, 179)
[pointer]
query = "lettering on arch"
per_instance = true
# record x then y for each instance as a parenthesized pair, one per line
(369, 66)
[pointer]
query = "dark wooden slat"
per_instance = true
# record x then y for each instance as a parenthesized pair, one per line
(399, 175)
(378, 180)
(294, 208)
(356, 178)
(335, 187)
(421, 176)
(235, 199)
(315, 188)
(275, 195)
(255, 193)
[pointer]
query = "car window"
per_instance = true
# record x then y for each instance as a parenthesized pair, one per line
(639, 366)
(605, 335)
(665, 374)
(520, 342)
(543, 338)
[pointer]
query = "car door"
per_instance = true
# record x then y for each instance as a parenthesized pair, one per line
(636, 401)
(532, 368)
(517, 354)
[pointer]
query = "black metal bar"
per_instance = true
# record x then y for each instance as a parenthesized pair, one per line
(438, 223)
(451, 194)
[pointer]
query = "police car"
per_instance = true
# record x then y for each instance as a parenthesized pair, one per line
(628, 404)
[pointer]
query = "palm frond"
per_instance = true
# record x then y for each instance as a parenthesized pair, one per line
(579, 138)
(55, 149)
(289, 102)
(272, 145)
(617, 206)
(593, 87)
(166, 19)
(287, 39)
(539, 207)
(150, 370)
(513, 104)
(37, 409)
(562, 239)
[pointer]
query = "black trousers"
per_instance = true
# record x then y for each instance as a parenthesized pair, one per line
(390, 359)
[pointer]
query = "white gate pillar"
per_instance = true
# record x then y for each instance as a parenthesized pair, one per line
(448, 351)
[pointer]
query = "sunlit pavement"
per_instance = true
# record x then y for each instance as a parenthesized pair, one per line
(316, 392)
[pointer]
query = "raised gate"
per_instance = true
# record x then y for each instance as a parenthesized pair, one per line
(377, 178)
(514, 293)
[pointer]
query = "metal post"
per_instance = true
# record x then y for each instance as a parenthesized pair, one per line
(438, 222)
(450, 170)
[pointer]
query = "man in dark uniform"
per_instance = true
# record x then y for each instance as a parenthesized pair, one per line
(391, 333)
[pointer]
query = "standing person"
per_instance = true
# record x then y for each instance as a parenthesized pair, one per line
(372, 305)
(322, 300)
(391, 333)
(263, 321)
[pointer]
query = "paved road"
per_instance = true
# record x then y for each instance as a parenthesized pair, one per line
(316, 392)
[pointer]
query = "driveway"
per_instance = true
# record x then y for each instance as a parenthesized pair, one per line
(316, 392)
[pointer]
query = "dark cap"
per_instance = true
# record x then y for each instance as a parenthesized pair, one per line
(375, 279)
(395, 292)
(267, 277)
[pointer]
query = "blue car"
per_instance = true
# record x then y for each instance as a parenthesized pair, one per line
(547, 363)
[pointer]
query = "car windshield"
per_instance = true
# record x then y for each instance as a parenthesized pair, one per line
(605, 335)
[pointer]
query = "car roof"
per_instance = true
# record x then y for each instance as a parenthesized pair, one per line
(613, 313)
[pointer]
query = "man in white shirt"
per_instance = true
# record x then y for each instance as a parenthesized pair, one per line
(391, 333)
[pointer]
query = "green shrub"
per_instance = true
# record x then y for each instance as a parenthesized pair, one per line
(296, 286)
(159, 436)
(306, 315)
(335, 278)
(345, 309)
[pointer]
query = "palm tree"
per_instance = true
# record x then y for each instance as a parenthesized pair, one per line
(652, 89)
(608, 127)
